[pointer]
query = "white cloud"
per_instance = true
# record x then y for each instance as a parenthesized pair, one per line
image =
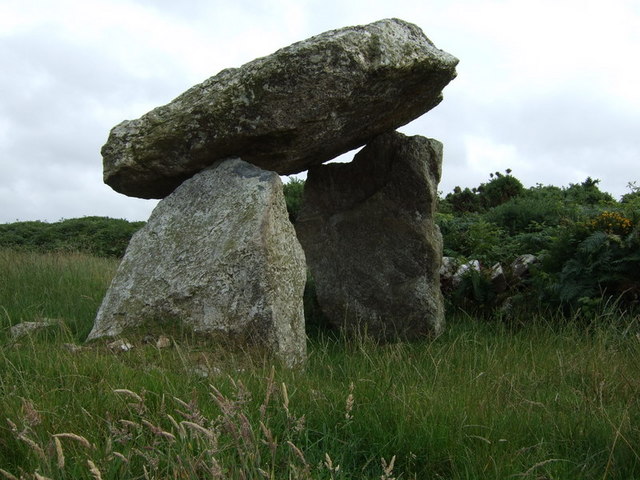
(547, 88)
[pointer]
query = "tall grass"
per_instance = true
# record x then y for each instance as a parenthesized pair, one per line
(483, 401)
(54, 285)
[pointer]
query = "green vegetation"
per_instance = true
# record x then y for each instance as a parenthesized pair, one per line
(527, 392)
(97, 235)
(544, 400)
(293, 191)
(588, 245)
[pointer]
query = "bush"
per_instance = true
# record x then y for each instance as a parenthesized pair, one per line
(588, 242)
(598, 258)
(533, 211)
(293, 192)
(588, 193)
(100, 236)
(496, 191)
(462, 201)
(470, 236)
(500, 189)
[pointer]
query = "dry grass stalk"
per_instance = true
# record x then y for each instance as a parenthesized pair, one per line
(268, 439)
(7, 475)
(29, 413)
(387, 470)
(349, 403)
(328, 463)
(129, 423)
(285, 399)
(226, 406)
(178, 426)
(94, 470)
(246, 432)
(129, 393)
(37, 476)
(269, 392)
(300, 424)
(12, 426)
(59, 452)
(540, 464)
(34, 446)
(78, 438)
(192, 413)
(158, 431)
(198, 428)
(121, 457)
(298, 453)
(182, 403)
(216, 469)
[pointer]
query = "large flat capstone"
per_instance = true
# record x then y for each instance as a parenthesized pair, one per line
(371, 241)
(220, 255)
(301, 106)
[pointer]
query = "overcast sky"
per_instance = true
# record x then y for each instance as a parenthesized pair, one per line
(548, 88)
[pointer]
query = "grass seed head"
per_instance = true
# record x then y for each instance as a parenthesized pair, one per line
(349, 403)
(387, 469)
(94, 470)
(59, 452)
(34, 446)
(7, 475)
(128, 393)
(78, 438)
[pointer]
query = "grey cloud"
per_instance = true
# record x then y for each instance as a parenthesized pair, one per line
(59, 101)
(559, 137)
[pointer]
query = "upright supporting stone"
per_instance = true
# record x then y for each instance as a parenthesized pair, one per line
(220, 255)
(368, 231)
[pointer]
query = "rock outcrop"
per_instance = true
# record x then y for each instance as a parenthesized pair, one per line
(220, 255)
(303, 105)
(372, 245)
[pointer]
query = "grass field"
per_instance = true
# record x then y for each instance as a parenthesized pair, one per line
(548, 399)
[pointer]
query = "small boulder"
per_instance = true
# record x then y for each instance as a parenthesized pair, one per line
(26, 328)
(448, 268)
(301, 106)
(120, 345)
(470, 266)
(220, 255)
(371, 241)
(163, 342)
(521, 265)
(73, 348)
(498, 278)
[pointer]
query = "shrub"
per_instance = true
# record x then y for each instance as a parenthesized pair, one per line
(500, 189)
(463, 201)
(470, 236)
(100, 236)
(533, 211)
(588, 193)
(596, 258)
(293, 192)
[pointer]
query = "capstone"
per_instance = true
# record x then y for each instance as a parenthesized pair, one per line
(299, 107)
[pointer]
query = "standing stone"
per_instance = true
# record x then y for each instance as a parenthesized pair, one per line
(301, 106)
(220, 255)
(372, 245)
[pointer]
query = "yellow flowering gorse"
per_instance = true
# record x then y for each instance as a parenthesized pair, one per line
(611, 222)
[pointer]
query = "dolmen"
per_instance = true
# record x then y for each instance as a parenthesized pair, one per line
(219, 253)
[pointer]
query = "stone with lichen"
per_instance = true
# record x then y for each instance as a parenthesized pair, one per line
(301, 106)
(372, 245)
(220, 256)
